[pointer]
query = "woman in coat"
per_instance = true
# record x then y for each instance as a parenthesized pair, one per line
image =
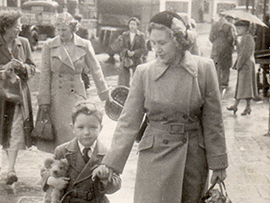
(61, 86)
(16, 66)
(184, 138)
(246, 86)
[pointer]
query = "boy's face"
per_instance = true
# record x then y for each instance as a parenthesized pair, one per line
(86, 129)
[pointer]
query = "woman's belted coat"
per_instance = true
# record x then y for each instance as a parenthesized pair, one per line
(246, 86)
(184, 137)
(21, 51)
(61, 85)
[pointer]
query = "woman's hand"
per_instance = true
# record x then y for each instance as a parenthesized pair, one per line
(9, 69)
(17, 64)
(44, 107)
(102, 172)
(221, 174)
(58, 183)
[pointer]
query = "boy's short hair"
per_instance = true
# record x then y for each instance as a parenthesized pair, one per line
(87, 108)
(134, 19)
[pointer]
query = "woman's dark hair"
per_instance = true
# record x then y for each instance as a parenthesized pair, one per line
(7, 19)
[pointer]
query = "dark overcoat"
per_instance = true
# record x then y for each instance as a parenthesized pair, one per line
(184, 137)
(21, 51)
(138, 46)
(246, 86)
(61, 84)
(79, 171)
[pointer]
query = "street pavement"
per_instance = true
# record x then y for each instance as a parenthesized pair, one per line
(248, 178)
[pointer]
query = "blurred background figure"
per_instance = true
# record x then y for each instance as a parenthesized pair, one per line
(246, 86)
(83, 33)
(63, 60)
(222, 36)
(17, 67)
(133, 44)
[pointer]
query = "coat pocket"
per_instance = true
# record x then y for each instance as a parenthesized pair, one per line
(146, 143)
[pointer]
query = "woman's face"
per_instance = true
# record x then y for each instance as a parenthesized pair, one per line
(14, 30)
(163, 44)
(133, 25)
(64, 31)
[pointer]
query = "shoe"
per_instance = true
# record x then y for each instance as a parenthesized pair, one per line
(11, 178)
(246, 112)
(232, 108)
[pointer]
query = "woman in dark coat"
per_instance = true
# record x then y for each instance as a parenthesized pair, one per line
(246, 86)
(16, 64)
(184, 138)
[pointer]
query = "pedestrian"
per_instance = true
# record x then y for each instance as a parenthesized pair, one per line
(223, 38)
(63, 60)
(133, 43)
(246, 85)
(83, 33)
(83, 154)
(184, 137)
(17, 67)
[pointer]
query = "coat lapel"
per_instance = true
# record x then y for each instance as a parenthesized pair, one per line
(4, 50)
(93, 162)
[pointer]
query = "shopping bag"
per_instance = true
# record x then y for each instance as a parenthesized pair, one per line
(216, 195)
(43, 128)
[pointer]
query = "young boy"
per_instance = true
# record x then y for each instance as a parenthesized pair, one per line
(80, 186)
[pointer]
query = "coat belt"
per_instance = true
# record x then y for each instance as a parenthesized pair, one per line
(175, 128)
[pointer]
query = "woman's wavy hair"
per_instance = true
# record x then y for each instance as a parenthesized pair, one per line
(182, 38)
(66, 19)
(7, 19)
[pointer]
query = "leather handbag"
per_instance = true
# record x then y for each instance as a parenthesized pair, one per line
(215, 195)
(10, 90)
(43, 129)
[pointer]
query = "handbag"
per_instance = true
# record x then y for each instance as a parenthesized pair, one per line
(127, 62)
(10, 90)
(43, 128)
(216, 195)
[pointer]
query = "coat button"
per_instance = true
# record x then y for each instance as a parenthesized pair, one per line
(184, 140)
(60, 86)
(185, 116)
(60, 75)
(165, 141)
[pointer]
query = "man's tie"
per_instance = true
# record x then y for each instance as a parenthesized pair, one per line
(85, 154)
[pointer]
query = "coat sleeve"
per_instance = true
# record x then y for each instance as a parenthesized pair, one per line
(44, 96)
(246, 51)
(128, 125)
(212, 35)
(29, 63)
(212, 122)
(95, 69)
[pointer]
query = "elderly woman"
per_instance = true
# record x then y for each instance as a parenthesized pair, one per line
(61, 86)
(246, 86)
(16, 65)
(184, 138)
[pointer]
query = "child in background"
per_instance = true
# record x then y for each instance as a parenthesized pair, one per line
(84, 153)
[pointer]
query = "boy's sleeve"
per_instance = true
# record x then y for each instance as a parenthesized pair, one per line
(113, 185)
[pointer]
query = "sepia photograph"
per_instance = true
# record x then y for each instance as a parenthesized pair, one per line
(134, 101)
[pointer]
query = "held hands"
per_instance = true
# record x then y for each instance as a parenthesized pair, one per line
(221, 174)
(103, 172)
(130, 53)
(14, 64)
(58, 183)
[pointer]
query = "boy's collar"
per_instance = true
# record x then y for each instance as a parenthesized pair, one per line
(81, 146)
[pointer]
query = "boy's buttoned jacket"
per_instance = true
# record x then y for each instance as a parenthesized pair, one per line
(61, 85)
(79, 171)
(184, 137)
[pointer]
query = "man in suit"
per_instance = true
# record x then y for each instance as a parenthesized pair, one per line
(84, 153)
(133, 44)
(223, 38)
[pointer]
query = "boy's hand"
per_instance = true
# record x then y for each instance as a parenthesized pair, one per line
(102, 172)
(58, 183)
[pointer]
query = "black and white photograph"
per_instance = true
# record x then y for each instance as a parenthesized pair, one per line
(135, 101)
